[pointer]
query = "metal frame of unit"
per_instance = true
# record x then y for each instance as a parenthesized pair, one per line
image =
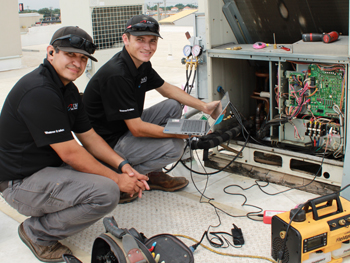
(232, 70)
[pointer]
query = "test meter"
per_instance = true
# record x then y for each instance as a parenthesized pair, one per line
(187, 50)
(196, 50)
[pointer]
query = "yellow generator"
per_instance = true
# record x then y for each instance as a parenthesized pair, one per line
(319, 232)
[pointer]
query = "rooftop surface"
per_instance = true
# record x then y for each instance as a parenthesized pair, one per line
(183, 212)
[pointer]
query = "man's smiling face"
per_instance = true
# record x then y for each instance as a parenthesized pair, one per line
(140, 48)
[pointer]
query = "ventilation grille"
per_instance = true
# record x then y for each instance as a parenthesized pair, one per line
(108, 24)
(277, 245)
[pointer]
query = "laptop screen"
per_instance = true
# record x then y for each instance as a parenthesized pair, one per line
(219, 112)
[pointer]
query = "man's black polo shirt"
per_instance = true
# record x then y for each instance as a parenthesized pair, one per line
(37, 112)
(117, 93)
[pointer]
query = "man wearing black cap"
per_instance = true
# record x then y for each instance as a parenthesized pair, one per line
(114, 100)
(45, 173)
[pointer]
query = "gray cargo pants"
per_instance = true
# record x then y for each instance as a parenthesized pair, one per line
(61, 202)
(152, 154)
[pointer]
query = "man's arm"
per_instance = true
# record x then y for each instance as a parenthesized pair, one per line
(172, 92)
(98, 147)
(140, 128)
(81, 160)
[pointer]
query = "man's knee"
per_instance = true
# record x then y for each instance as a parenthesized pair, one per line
(107, 196)
(175, 106)
(178, 148)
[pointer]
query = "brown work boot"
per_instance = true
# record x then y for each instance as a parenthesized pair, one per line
(44, 253)
(164, 182)
(125, 198)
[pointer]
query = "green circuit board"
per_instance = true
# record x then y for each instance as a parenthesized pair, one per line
(326, 89)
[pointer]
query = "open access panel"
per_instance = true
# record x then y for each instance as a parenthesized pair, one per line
(296, 96)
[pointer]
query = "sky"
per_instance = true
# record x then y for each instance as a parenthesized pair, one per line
(38, 4)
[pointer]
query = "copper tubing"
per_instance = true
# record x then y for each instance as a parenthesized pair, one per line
(267, 102)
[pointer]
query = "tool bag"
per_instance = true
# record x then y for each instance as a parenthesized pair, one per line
(119, 245)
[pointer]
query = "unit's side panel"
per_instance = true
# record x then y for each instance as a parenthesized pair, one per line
(218, 32)
(199, 30)
(346, 170)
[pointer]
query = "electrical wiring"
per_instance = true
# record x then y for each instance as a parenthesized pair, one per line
(217, 241)
(312, 93)
(225, 254)
(295, 130)
(339, 151)
(299, 100)
(267, 183)
(301, 97)
(342, 92)
(292, 112)
(212, 243)
(248, 214)
(238, 115)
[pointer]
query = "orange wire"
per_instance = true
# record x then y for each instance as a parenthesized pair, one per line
(311, 94)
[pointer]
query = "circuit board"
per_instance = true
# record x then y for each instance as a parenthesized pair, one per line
(325, 89)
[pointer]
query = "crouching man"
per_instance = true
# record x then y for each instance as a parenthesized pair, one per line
(45, 173)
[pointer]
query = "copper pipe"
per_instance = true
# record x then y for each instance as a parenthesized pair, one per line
(267, 102)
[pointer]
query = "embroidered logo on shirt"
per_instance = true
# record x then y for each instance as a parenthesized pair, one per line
(73, 106)
(143, 80)
(132, 109)
(55, 131)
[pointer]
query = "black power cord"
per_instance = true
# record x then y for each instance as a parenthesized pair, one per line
(236, 235)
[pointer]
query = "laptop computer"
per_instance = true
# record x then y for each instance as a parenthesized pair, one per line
(198, 127)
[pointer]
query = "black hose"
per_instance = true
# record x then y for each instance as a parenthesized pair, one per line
(218, 137)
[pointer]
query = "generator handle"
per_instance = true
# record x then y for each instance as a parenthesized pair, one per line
(326, 198)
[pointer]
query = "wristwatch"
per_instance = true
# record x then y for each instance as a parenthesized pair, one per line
(121, 165)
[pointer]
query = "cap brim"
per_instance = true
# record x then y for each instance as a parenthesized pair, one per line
(77, 50)
(144, 33)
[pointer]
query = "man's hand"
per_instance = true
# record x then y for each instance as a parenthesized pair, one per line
(133, 173)
(210, 107)
(130, 184)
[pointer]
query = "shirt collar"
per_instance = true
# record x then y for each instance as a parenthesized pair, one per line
(56, 79)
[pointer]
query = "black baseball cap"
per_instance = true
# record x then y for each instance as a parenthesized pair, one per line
(142, 25)
(74, 39)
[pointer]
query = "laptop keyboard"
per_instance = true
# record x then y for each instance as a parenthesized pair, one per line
(192, 126)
